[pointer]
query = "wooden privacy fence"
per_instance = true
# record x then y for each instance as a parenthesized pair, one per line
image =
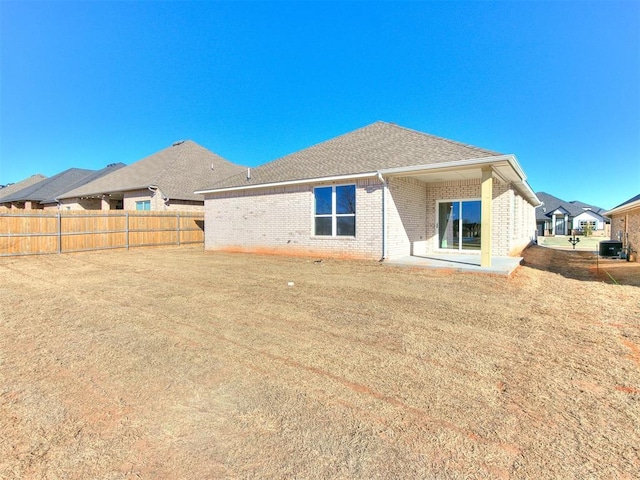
(41, 232)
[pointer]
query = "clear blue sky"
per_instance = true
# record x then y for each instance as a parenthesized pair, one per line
(84, 84)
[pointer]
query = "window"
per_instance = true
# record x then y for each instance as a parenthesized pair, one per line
(335, 211)
(588, 224)
(459, 224)
(143, 205)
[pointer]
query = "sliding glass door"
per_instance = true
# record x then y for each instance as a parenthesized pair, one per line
(459, 225)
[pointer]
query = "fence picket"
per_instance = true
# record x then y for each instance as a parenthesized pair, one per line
(35, 232)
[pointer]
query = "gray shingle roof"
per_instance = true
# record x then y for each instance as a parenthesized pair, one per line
(631, 200)
(47, 190)
(16, 187)
(585, 206)
(372, 148)
(551, 203)
(178, 171)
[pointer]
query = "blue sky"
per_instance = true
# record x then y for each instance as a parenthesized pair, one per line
(84, 84)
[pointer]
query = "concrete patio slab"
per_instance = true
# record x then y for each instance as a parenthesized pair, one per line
(458, 263)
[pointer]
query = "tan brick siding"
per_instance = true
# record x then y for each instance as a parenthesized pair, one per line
(406, 218)
(280, 220)
(157, 202)
(129, 202)
(626, 227)
(513, 218)
(81, 204)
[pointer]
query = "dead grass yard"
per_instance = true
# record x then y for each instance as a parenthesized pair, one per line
(175, 363)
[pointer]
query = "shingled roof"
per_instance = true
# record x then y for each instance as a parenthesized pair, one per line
(177, 171)
(632, 203)
(372, 148)
(573, 208)
(16, 187)
(47, 190)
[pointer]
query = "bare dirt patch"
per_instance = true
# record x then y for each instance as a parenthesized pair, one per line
(583, 265)
(176, 363)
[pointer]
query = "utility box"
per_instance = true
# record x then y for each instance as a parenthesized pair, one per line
(610, 248)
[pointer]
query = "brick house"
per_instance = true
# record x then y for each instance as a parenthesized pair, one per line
(12, 188)
(44, 194)
(557, 217)
(164, 181)
(625, 225)
(382, 191)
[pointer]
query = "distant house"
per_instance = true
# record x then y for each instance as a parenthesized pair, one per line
(382, 191)
(12, 188)
(558, 217)
(43, 194)
(165, 180)
(625, 224)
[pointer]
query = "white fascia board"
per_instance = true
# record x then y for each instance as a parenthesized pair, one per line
(622, 208)
(495, 160)
(590, 214)
(335, 178)
(523, 184)
(101, 193)
(472, 162)
(529, 194)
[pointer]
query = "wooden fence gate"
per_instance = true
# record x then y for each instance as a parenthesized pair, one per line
(37, 232)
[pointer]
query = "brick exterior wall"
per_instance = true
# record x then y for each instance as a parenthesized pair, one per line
(627, 224)
(80, 204)
(406, 220)
(129, 202)
(280, 220)
(157, 202)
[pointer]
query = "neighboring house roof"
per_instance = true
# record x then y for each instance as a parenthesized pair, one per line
(586, 207)
(372, 148)
(574, 208)
(632, 203)
(47, 190)
(177, 171)
(16, 187)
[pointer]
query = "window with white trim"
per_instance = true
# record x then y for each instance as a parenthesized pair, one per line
(335, 211)
(588, 223)
(143, 205)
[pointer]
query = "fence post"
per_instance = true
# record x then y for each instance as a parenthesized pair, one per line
(126, 214)
(178, 231)
(59, 232)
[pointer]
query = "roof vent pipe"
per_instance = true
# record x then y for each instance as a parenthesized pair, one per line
(248, 173)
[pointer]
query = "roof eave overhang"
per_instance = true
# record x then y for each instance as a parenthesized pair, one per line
(505, 167)
(100, 193)
(333, 178)
(622, 208)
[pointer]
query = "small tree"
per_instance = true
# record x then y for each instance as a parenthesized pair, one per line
(588, 229)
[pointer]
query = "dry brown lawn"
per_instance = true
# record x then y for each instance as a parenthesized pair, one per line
(179, 364)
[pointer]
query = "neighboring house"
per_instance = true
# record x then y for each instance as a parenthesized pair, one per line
(43, 194)
(382, 191)
(12, 188)
(165, 180)
(625, 225)
(557, 217)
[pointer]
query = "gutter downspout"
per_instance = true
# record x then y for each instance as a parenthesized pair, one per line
(384, 216)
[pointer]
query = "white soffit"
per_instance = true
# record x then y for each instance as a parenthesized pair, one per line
(505, 168)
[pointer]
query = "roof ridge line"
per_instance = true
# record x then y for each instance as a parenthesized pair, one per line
(455, 142)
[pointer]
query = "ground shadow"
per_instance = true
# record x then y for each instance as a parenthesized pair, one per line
(448, 259)
(582, 265)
